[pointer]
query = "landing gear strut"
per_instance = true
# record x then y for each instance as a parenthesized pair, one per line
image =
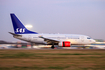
(52, 46)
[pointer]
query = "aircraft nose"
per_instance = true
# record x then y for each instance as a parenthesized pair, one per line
(93, 41)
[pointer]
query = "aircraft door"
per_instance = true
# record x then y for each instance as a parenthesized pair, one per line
(29, 38)
(82, 38)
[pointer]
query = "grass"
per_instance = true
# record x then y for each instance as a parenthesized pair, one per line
(52, 59)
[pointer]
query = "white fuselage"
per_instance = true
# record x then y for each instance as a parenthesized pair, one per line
(73, 38)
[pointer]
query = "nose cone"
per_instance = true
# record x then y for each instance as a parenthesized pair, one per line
(93, 41)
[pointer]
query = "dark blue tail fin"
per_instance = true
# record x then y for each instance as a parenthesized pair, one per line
(19, 28)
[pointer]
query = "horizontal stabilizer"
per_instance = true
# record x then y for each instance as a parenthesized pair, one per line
(14, 34)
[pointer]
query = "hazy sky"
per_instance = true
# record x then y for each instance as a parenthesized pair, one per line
(55, 16)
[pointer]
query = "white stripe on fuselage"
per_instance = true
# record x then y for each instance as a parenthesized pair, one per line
(73, 38)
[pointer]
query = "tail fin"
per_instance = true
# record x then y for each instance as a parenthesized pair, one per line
(19, 28)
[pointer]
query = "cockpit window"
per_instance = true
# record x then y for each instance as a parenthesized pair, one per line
(88, 38)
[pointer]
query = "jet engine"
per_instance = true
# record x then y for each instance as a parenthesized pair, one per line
(64, 44)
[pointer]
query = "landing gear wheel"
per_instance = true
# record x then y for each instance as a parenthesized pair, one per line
(52, 46)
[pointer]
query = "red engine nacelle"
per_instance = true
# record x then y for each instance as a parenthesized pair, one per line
(64, 44)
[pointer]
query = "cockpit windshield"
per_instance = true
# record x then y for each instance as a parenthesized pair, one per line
(88, 38)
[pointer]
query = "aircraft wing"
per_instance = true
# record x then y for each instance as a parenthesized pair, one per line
(50, 40)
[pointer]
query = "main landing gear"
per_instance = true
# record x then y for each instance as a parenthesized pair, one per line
(52, 46)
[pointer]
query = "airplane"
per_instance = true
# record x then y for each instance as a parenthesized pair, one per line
(62, 40)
